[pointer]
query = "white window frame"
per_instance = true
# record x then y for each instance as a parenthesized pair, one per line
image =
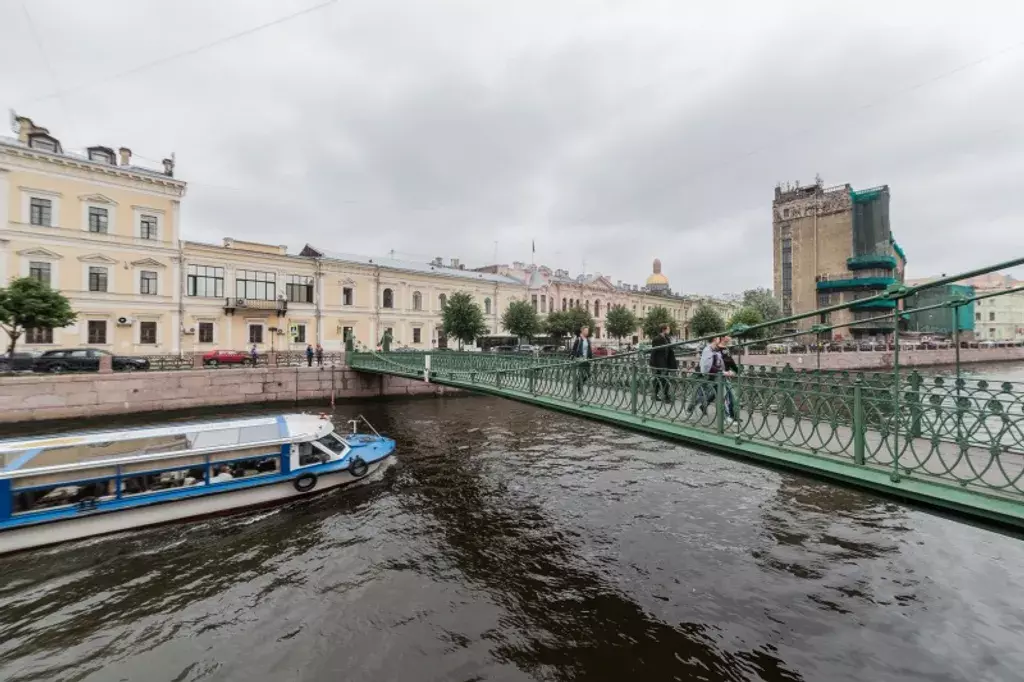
(158, 268)
(84, 336)
(137, 332)
(260, 323)
(29, 255)
(30, 193)
(138, 212)
(213, 323)
(85, 278)
(111, 210)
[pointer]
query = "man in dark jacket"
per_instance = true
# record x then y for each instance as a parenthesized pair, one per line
(663, 361)
(582, 350)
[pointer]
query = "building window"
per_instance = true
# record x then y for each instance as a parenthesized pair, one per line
(389, 298)
(97, 331)
(416, 331)
(147, 332)
(44, 142)
(255, 333)
(206, 332)
(346, 296)
(564, 306)
(147, 283)
(300, 333)
(487, 306)
(417, 300)
(98, 220)
(533, 299)
(346, 333)
(299, 288)
(38, 335)
(97, 278)
(41, 212)
(442, 300)
(597, 308)
(991, 317)
(101, 156)
(977, 317)
(787, 276)
(256, 286)
(205, 280)
(148, 227)
(39, 271)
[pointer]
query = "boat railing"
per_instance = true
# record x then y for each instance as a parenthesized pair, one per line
(367, 422)
(135, 459)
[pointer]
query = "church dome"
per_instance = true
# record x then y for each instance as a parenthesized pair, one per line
(657, 279)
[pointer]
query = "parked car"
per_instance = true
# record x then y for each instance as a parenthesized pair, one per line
(226, 357)
(85, 360)
(19, 362)
(603, 351)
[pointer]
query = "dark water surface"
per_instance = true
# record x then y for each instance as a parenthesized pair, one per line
(509, 543)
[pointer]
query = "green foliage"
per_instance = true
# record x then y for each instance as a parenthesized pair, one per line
(655, 317)
(27, 303)
(748, 316)
(462, 318)
(620, 322)
(763, 302)
(706, 320)
(564, 323)
(521, 320)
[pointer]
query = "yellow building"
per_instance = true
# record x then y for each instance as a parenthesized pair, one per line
(100, 229)
(106, 233)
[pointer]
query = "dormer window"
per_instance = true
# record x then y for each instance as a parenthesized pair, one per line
(101, 155)
(44, 143)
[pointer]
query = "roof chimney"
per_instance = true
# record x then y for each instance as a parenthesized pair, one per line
(126, 156)
(169, 167)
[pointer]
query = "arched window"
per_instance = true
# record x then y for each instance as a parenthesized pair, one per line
(417, 301)
(563, 305)
(487, 306)
(597, 308)
(389, 298)
(442, 300)
(586, 306)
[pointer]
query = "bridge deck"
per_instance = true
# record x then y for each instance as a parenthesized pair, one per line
(943, 443)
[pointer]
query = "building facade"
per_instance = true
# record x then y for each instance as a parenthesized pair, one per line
(996, 317)
(831, 246)
(99, 228)
(106, 233)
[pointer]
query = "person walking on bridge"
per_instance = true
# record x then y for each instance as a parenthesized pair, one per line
(582, 350)
(663, 361)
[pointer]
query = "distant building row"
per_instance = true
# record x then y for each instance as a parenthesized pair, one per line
(106, 233)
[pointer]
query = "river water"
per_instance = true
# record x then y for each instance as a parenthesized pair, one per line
(510, 543)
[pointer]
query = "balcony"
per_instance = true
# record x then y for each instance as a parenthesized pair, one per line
(871, 261)
(252, 305)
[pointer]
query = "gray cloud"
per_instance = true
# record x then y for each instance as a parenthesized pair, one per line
(610, 133)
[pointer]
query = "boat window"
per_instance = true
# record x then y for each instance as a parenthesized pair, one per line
(65, 494)
(310, 455)
(220, 472)
(332, 443)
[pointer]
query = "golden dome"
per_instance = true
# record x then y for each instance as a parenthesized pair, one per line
(656, 278)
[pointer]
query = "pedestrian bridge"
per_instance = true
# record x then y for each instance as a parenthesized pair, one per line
(948, 442)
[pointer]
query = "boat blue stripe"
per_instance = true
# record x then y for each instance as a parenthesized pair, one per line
(24, 459)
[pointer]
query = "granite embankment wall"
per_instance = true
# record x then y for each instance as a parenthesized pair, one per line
(876, 360)
(34, 397)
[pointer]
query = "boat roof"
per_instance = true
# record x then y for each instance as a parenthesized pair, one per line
(178, 436)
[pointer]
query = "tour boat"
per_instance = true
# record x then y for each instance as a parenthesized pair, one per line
(80, 485)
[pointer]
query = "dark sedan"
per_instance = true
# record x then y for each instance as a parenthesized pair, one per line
(85, 360)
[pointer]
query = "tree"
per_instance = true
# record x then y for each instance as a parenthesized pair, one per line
(521, 320)
(705, 321)
(462, 318)
(749, 316)
(565, 322)
(27, 303)
(620, 322)
(763, 302)
(656, 317)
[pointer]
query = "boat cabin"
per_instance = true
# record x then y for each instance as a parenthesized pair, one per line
(47, 478)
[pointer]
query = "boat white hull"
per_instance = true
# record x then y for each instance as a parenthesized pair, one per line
(53, 532)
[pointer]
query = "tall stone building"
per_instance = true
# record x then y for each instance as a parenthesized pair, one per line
(833, 245)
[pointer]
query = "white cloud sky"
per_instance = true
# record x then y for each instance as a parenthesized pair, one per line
(609, 132)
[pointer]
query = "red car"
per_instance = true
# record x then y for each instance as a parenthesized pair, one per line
(226, 357)
(603, 351)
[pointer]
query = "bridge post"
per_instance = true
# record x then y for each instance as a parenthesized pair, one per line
(858, 422)
(632, 387)
(720, 402)
(426, 368)
(532, 373)
(915, 404)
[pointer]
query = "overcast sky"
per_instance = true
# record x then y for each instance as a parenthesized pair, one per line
(609, 132)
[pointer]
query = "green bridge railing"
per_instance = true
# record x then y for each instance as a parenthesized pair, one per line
(943, 440)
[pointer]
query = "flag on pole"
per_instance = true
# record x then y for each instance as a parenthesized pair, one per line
(534, 244)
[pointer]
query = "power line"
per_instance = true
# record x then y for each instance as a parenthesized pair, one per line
(46, 62)
(186, 53)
